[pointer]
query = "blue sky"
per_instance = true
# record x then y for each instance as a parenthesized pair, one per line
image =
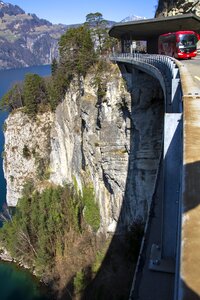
(74, 11)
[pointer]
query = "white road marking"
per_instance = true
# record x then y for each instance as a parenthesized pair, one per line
(198, 78)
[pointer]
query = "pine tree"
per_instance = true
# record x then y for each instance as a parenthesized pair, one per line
(54, 67)
(98, 26)
(13, 98)
(77, 51)
(34, 93)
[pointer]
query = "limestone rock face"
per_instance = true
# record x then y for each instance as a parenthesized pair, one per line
(110, 138)
(90, 138)
(174, 7)
(26, 151)
(115, 140)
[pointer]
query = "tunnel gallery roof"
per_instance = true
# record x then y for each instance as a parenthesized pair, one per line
(149, 28)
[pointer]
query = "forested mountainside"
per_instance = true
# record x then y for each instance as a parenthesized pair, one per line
(26, 40)
(177, 7)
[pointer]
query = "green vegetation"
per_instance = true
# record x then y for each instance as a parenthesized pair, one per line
(3, 154)
(80, 48)
(80, 281)
(47, 225)
(26, 152)
(42, 166)
(100, 80)
(98, 260)
(42, 220)
(91, 212)
(4, 127)
(99, 31)
(37, 94)
(83, 277)
(13, 99)
(77, 50)
(11, 178)
(34, 93)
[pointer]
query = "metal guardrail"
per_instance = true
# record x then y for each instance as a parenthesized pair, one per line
(179, 88)
(166, 70)
(165, 64)
(163, 68)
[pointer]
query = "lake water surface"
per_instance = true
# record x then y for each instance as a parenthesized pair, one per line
(15, 283)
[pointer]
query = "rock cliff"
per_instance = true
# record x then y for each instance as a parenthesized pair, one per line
(26, 151)
(110, 139)
(172, 7)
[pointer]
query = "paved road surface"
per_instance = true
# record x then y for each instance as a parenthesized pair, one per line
(152, 285)
(193, 66)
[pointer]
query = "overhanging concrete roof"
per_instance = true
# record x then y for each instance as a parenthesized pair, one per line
(150, 28)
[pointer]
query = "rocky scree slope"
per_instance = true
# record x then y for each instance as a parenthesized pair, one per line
(112, 139)
(26, 40)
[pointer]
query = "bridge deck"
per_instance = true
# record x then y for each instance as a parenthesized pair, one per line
(151, 285)
(185, 283)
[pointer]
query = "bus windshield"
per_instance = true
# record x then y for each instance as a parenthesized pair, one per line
(187, 40)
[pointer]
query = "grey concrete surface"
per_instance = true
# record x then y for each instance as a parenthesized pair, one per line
(193, 66)
(154, 280)
(151, 285)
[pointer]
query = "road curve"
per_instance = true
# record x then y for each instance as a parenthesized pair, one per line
(193, 66)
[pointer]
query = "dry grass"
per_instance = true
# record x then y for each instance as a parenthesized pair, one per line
(80, 252)
(107, 265)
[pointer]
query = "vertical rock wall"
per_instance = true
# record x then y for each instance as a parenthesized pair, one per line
(26, 151)
(147, 114)
(172, 7)
(114, 140)
(110, 139)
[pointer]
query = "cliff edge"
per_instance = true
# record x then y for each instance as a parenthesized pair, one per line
(110, 137)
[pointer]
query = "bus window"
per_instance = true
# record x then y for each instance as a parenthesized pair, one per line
(180, 44)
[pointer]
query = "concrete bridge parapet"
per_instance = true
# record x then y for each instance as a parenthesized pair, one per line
(161, 67)
(180, 170)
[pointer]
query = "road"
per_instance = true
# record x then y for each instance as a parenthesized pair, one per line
(151, 285)
(193, 65)
(160, 283)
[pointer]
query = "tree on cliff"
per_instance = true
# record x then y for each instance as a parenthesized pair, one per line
(34, 93)
(99, 31)
(42, 222)
(97, 25)
(77, 50)
(13, 98)
(54, 66)
(57, 86)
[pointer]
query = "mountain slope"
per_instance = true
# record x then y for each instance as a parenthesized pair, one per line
(132, 18)
(25, 39)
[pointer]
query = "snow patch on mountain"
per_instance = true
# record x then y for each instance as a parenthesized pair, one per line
(132, 18)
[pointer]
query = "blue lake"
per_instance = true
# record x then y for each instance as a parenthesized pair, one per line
(15, 283)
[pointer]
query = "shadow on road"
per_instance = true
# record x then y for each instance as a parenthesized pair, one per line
(188, 294)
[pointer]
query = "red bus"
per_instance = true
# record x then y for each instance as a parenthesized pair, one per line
(179, 44)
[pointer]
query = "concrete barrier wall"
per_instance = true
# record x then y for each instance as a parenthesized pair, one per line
(189, 280)
(180, 92)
